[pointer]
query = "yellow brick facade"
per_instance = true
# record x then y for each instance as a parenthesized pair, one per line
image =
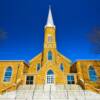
(22, 72)
(18, 69)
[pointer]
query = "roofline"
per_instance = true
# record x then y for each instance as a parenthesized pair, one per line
(13, 60)
(35, 57)
(65, 57)
(86, 60)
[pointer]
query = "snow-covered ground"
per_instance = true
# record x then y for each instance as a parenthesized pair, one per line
(50, 92)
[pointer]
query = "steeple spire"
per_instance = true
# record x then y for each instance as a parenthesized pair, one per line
(50, 22)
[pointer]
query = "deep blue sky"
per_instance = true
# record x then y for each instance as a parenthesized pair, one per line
(24, 21)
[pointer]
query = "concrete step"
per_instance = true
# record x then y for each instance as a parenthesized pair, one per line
(50, 92)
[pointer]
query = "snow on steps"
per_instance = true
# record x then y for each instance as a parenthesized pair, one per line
(50, 92)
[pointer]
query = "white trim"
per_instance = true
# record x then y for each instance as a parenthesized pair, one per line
(49, 34)
(71, 73)
(81, 80)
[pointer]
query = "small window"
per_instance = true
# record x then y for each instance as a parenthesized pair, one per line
(49, 55)
(8, 74)
(38, 66)
(70, 79)
(62, 67)
(92, 74)
(49, 38)
(29, 80)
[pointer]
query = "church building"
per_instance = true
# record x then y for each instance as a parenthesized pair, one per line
(49, 67)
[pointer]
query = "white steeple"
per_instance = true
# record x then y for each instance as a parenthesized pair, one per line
(50, 22)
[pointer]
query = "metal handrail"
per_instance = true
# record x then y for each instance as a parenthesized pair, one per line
(97, 90)
(9, 87)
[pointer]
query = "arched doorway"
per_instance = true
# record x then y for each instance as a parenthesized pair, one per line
(50, 77)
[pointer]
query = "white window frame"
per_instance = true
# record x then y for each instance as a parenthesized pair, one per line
(50, 77)
(71, 80)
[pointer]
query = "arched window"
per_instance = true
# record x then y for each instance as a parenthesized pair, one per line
(49, 38)
(8, 74)
(92, 74)
(50, 77)
(38, 66)
(49, 55)
(50, 72)
(62, 67)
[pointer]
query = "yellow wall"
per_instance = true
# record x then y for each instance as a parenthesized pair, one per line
(82, 67)
(17, 72)
(40, 76)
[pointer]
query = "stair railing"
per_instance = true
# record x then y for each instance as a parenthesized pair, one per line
(11, 86)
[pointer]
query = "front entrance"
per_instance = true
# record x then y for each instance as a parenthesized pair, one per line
(50, 77)
(29, 80)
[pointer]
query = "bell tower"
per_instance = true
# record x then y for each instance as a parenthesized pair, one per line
(49, 39)
(49, 32)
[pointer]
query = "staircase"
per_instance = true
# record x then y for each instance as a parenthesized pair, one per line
(50, 92)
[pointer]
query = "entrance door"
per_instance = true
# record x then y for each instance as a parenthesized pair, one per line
(29, 80)
(50, 77)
